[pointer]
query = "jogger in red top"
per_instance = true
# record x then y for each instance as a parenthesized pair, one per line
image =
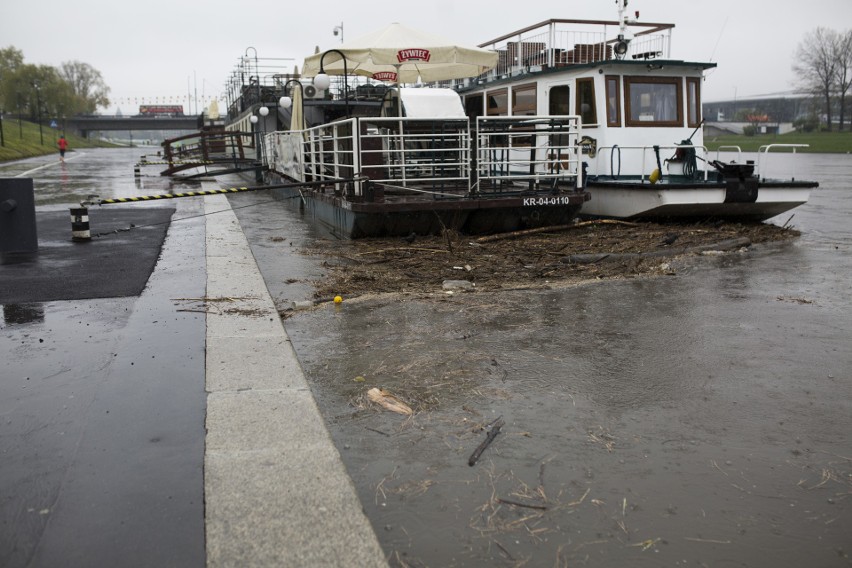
(63, 145)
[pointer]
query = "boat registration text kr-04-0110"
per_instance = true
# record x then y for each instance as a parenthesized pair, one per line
(538, 201)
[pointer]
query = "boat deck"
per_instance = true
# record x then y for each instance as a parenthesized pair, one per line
(395, 176)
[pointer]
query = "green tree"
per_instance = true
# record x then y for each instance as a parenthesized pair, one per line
(74, 88)
(86, 83)
(11, 60)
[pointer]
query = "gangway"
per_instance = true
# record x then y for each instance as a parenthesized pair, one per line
(205, 153)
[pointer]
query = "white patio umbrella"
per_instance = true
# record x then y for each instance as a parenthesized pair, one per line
(400, 54)
(297, 118)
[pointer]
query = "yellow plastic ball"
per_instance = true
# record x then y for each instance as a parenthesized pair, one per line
(337, 299)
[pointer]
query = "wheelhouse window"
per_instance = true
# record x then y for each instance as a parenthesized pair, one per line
(524, 100)
(586, 102)
(653, 101)
(498, 102)
(693, 101)
(560, 100)
(613, 101)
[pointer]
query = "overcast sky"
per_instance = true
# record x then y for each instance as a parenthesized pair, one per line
(166, 50)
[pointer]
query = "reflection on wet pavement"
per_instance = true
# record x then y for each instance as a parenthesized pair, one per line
(104, 173)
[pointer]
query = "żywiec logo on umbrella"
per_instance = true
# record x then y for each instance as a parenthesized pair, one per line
(384, 76)
(404, 55)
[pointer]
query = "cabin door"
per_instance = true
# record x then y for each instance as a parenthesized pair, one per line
(557, 100)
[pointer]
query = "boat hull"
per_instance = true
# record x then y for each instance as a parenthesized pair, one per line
(659, 201)
(470, 215)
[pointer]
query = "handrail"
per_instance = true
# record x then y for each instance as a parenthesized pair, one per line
(764, 151)
(644, 150)
(407, 153)
(732, 147)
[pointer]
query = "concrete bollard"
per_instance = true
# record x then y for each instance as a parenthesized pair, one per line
(80, 224)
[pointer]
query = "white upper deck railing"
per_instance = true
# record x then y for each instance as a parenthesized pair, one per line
(560, 43)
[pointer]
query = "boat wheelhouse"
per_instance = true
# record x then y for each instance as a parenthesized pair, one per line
(641, 136)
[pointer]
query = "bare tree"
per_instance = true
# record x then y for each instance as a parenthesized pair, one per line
(843, 74)
(816, 65)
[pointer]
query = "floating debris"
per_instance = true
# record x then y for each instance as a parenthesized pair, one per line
(389, 401)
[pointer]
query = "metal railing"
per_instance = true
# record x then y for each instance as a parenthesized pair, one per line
(761, 167)
(533, 149)
(558, 43)
(399, 151)
(434, 156)
(647, 161)
(205, 146)
(763, 156)
(730, 147)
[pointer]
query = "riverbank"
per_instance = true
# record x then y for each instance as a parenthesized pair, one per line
(24, 140)
(818, 142)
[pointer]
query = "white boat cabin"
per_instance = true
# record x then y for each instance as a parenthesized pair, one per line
(628, 93)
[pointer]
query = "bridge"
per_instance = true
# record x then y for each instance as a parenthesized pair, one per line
(82, 125)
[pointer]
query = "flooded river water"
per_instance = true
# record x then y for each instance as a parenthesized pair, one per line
(698, 419)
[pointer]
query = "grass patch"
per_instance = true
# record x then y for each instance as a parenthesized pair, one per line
(25, 141)
(820, 142)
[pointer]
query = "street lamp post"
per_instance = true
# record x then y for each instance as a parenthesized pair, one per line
(38, 110)
(338, 30)
(258, 164)
(253, 120)
(263, 112)
(256, 70)
(322, 81)
(2, 137)
(286, 102)
(18, 108)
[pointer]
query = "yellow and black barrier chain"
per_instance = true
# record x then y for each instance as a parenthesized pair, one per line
(220, 191)
(178, 163)
(176, 195)
(80, 230)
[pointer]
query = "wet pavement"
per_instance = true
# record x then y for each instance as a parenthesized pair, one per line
(107, 173)
(102, 401)
(128, 242)
(699, 419)
(171, 427)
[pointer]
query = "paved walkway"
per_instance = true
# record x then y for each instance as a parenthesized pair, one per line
(276, 490)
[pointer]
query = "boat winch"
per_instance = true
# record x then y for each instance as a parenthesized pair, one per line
(740, 182)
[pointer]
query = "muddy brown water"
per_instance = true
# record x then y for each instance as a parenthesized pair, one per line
(699, 419)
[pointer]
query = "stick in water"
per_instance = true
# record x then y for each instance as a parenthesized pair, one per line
(492, 433)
